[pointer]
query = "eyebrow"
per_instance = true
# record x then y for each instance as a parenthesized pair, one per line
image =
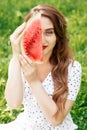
(48, 29)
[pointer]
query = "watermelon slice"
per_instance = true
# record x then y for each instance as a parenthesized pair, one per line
(32, 39)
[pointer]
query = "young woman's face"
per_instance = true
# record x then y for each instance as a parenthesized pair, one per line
(48, 35)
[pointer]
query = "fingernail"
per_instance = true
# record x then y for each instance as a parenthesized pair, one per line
(24, 23)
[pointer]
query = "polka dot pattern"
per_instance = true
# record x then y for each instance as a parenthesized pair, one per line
(34, 114)
(74, 80)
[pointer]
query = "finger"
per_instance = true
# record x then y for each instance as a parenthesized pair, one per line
(24, 65)
(20, 37)
(23, 62)
(20, 59)
(18, 31)
(28, 59)
(32, 62)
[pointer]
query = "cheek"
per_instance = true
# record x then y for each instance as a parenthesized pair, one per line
(53, 41)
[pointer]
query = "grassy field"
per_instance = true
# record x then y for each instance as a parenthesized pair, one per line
(12, 13)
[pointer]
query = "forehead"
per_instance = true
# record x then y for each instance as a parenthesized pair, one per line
(46, 23)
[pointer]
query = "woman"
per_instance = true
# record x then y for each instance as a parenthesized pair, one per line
(47, 90)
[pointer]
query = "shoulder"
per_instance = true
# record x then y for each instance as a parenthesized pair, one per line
(75, 64)
(74, 79)
(75, 67)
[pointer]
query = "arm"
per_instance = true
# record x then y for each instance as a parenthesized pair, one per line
(47, 105)
(14, 86)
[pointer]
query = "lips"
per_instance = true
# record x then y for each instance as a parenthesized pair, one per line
(44, 47)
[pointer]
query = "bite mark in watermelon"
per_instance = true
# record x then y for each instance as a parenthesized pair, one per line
(32, 39)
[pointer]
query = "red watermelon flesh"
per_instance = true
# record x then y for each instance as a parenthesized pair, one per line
(32, 39)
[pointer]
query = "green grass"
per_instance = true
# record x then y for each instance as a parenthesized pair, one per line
(12, 13)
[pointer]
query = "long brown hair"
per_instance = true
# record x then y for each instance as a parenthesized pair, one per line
(61, 54)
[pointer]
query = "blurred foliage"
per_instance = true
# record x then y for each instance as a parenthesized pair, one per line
(12, 13)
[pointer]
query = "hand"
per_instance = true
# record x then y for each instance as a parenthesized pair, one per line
(15, 39)
(29, 68)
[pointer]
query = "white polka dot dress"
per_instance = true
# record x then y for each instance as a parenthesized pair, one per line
(33, 118)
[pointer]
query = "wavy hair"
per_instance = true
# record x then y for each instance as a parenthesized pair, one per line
(61, 55)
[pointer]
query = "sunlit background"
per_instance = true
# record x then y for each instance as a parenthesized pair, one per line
(12, 13)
